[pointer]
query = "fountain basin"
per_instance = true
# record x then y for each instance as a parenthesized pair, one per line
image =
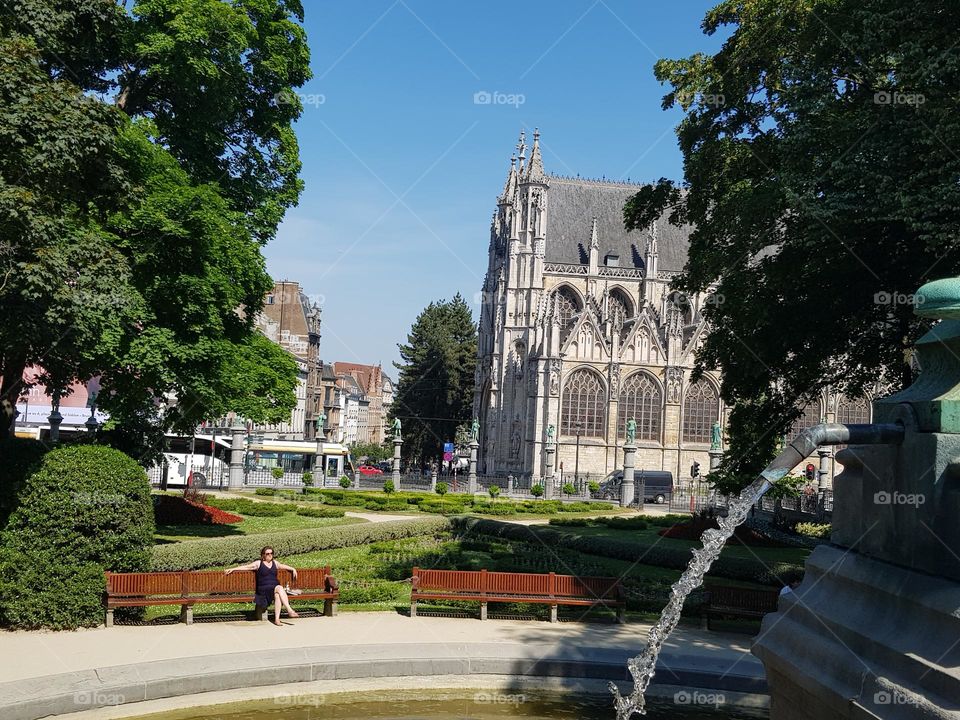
(61, 673)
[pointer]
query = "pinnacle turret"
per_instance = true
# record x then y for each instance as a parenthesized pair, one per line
(535, 167)
(510, 187)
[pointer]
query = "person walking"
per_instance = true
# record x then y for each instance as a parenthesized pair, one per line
(269, 588)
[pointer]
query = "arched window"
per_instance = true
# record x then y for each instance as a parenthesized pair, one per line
(810, 417)
(701, 408)
(567, 309)
(853, 412)
(584, 405)
(642, 400)
(619, 310)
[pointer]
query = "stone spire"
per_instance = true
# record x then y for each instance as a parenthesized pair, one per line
(522, 150)
(510, 188)
(535, 167)
(594, 240)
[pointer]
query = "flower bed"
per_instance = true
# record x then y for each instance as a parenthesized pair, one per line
(173, 510)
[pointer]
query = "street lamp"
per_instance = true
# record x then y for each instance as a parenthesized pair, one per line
(576, 463)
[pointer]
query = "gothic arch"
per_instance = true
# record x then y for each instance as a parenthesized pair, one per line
(584, 403)
(809, 417)
(701, 408)
(641, 398)
(853, 411)
(619, 310)
(567, 304)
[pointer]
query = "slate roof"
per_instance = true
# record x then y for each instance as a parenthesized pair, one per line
(573, 203)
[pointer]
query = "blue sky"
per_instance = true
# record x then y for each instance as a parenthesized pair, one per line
(402, 165)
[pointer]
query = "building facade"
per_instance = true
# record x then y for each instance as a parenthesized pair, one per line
(370, 379)
(292, 321)
(579, 331)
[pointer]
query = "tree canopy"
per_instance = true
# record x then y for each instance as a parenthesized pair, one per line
(434, 393)
(820, 178)
(146, 154)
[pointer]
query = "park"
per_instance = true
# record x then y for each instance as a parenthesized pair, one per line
(682, 447)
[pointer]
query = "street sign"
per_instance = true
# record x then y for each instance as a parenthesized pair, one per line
(447, 448)
(447, 456)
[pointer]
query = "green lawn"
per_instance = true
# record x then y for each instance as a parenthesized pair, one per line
(650, 535)
(249, 526)
(374, 576)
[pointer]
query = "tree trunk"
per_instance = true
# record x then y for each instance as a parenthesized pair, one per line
(11, 385)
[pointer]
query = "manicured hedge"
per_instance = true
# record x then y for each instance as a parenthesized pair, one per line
(87, 508)
(217, 552)
(18, 458)
(320, 512)
(250, 507)
(658, 554)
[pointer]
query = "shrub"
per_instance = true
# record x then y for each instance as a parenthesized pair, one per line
(60, 595)
(307, 479)
(569, 489)
(352, 594)
(220, 552)
(593, 487)
(250, 507)
(537, 491)
(175, 510)
(265, 491)
(277, 473)
(86, 508)
(570, 522)
(583, 507)
(320, 512)
(441, 488)
(20, 458)
(625, 523)
(494, 490)
(345, 482)
(816, 530)
(388, 487)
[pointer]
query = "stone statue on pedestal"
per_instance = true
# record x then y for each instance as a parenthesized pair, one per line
(715, 436)
(396, 428)
(631, 431)
(475, 430)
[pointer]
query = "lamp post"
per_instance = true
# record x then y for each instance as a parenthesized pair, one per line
(576, 461)
(320, 421)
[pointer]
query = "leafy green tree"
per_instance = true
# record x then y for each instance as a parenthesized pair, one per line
(146, 154)
(372, 451)
(434, 391)
(821, 195)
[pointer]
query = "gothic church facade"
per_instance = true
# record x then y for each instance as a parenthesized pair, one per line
(579, 331)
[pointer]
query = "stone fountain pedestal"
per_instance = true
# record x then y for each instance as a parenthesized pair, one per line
(874, 629)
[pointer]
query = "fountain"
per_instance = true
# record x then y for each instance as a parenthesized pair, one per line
(874, 630)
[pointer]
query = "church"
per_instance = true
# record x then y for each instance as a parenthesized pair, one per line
(579, 332)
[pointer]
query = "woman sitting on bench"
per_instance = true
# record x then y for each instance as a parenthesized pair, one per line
(269, 588)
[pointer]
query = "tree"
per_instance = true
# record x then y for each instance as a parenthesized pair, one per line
(821, 194)
(371, 451)
(145, 157)
(435, 387)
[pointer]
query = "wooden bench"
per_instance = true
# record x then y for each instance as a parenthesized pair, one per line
(729, 601)
(191, 587)
(484, 587)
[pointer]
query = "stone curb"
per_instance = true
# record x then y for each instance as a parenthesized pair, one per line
(102, 687)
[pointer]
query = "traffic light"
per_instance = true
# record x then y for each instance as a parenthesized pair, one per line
(810, 472)
(695, 469)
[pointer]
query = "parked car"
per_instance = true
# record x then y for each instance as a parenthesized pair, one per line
(370, 470)
(657, 485)
(385, 466)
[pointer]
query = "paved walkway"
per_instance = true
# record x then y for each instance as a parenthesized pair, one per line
(45, 671)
